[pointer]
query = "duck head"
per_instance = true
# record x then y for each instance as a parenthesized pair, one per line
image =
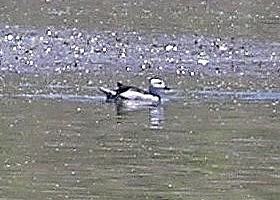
(157, 86)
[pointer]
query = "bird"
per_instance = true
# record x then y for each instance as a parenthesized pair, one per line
(153, 95)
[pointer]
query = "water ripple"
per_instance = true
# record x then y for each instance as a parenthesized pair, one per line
(243, 95)
(68, 97)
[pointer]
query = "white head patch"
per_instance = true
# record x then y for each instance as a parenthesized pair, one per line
(157, 83)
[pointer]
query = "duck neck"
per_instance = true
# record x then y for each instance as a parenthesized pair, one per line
(154, 91)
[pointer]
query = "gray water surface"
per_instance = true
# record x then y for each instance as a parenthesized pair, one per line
(61, 144)
(215, 136)
(240, 18)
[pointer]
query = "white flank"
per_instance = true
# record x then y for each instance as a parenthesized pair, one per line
(134, 95)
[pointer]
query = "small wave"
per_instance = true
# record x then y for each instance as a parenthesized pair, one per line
(68, 97)
(246, 95)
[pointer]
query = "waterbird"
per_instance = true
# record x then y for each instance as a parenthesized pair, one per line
(153, 95)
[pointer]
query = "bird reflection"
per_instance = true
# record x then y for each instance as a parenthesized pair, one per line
(156, 116)
(155, 112)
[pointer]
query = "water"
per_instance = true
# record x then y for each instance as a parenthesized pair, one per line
(248, 18)
(60, 142)
(215, 136)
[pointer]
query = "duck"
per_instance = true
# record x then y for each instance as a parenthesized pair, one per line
(153, 95)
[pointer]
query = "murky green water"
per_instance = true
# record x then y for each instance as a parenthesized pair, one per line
(212, 138)
(60, 140)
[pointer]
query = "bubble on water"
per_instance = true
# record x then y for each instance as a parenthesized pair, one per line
(273, 55)
(58, 70)
(202, 61)
(192, 73)
(113, 34)
(181, 70)
(9, 37)
(90, 82)
(48, 50)
(49, 32)
(217, 70)
(170, 47)
(30, 62)
(146, 64)
(170, 60)
(203, 58)
(156, 154)
(122, 55)
(82, 50)
(223, 47)
(247, 53)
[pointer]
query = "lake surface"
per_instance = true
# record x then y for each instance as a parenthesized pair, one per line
(240, 18)
(214, 136)
(61, 140)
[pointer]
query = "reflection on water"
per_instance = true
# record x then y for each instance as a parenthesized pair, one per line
(156, 116)
(155, 113)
